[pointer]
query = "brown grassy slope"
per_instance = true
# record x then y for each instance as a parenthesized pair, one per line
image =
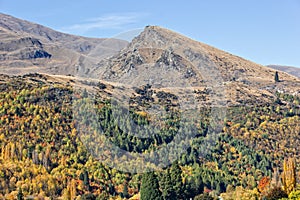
(18, 53)
(295, 71)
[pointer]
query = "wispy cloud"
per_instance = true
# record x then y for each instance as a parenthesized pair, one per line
(112, 21)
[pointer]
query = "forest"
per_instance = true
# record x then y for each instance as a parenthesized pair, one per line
(51, 136)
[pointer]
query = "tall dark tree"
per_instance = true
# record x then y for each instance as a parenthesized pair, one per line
(276, 76)
(171, 183)
(81, 176)
(175, 173)
(112, 190)
(86, 180)
(166, 186)
(150, 188)
(193, 186)
(20, 195)
(125, 191)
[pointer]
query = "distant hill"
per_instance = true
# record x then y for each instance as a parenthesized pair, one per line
(295, 71)
(29, 47)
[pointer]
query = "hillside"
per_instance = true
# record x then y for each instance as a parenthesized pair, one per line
(28, 47)
(295, 71)
(40, 137)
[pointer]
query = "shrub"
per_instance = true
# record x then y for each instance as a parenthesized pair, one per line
(295, 195)
(276, 193)
(204, 196)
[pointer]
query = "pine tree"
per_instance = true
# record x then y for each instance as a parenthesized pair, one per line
(166, 185)
(86, 180)
(125, 191)
(171, 183)
(176, 179)
(193, 186)
(81, 176)
(112, 190)
(276, 77)
(20, 195)
(150, 187)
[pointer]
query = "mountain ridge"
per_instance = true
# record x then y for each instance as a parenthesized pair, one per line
(157, 56)
(164, 58)
(65, 51)
(295, 71)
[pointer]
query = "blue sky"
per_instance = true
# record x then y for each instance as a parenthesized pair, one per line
(264, 31)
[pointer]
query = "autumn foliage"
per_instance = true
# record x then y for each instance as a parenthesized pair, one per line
(288, 176)
(264, 184)
(41, 155)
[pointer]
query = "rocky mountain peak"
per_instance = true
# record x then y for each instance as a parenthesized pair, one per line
(163, 58)
(153, 37)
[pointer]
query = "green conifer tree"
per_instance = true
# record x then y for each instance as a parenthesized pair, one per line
(20, 195)
(176, 179)
(150, 188)
(125, 191)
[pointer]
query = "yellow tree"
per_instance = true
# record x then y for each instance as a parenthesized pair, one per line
(288, 176)
(70, 192)
(73, 190)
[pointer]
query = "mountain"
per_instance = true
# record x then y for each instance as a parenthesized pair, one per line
(295, 71)
(164, 59)
(29, 47)
(159, 57)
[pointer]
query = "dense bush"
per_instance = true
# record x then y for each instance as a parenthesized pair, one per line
(276, 193)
